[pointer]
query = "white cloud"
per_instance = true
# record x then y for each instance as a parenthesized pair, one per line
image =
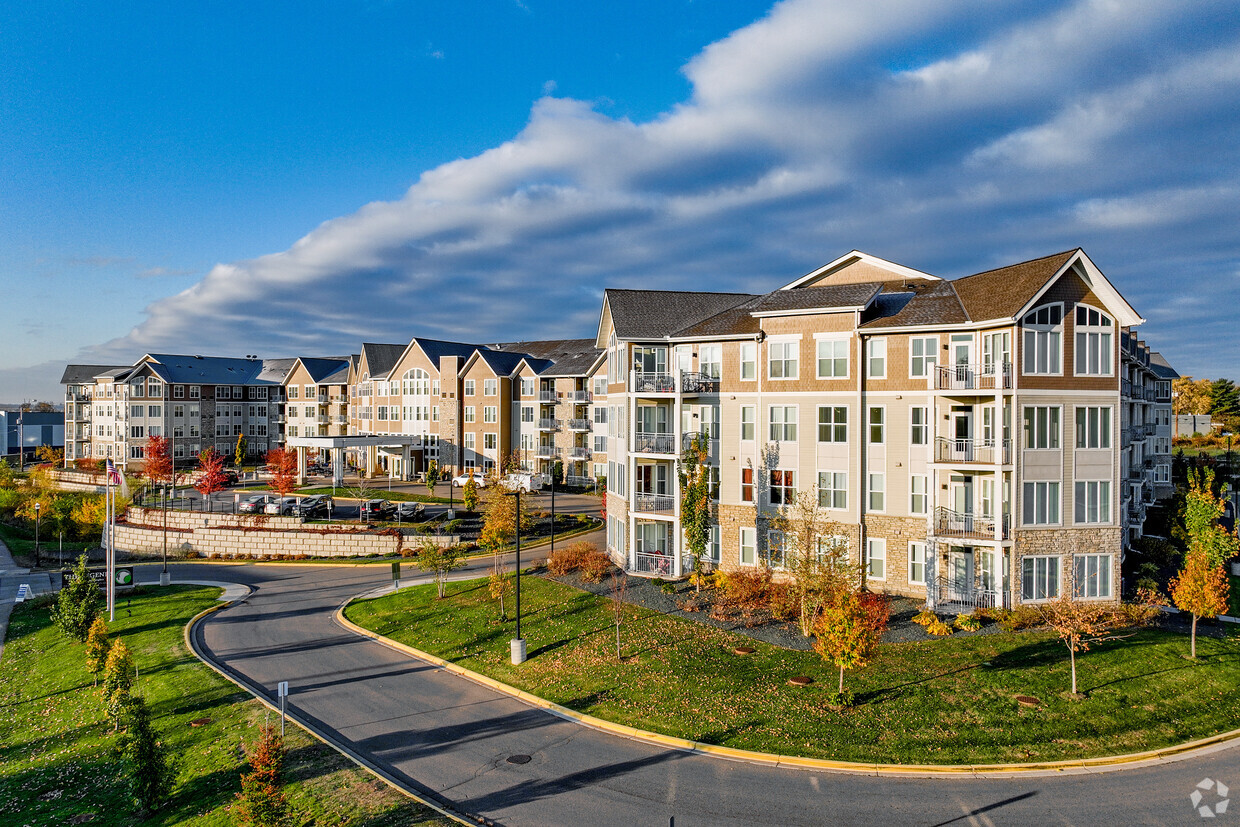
(1016, 132)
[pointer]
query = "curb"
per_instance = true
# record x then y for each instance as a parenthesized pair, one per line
(1083, 765)
(292, 716)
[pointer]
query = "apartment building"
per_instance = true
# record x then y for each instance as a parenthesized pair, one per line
(965, 438)
(316, 399)
(195, 402)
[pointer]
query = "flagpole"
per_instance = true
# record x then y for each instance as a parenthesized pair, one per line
(108, 552)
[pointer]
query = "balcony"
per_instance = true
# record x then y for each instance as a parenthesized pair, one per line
(653, 382)
(982, 377)
(654, 443)
(579, 397)
(657, 562)
(547, 424)
(579, 425)
(950, 595)
(340, 419)
(323, 419)
(964, 451)
(654, 503)
(711, 445)
(577, 481)
(1125, 387)
(1150, 395)
(547, 452)
(547, 396)
(948, 523)
(692, 383)
(578, 454)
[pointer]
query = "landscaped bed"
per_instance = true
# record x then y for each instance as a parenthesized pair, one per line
(57, 759)
(946, 701)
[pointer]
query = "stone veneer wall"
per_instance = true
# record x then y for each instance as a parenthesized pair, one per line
(256, 535)
(898, 532)
(1067, 542)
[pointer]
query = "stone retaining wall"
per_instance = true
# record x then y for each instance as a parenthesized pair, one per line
(245, 535)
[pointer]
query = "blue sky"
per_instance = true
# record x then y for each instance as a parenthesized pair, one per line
(296, 178)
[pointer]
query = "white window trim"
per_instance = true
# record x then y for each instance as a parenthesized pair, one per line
(929, 374)
(869, 356)
(833, 337)
(784, 340)
(870, 544)
(1111, 329)
(1043, 329)
(924, 562)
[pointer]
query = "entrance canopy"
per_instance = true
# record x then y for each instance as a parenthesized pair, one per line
(337, 445)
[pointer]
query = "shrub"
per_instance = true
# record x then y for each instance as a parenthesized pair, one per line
(97, 647)
(925, 617)
(117, 680)
(968, 622)
(79, 604)
(151, 774)
(938, 628)
(667, 587)
(843, 699)
(783, 602)
(747, 590)
(261, 802)
(594, 565)
(1023, 617)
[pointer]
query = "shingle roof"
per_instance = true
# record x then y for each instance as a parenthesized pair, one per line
(813, 298)
(557, 357)
(381, 358)
(1161, 367)
(936, 303)
(650, 314)
(321, 368)
(1001, 293)
(503, 363)
(435, 349)
(206, 370)
(85, 374)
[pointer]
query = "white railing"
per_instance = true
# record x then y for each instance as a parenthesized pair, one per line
(948, 594)
(966, 377)
(985, 451)
(648, 382)
(654, 443)
(546, 424)
(653, 502)
(579, 425)
(948, 523)
(658, 563)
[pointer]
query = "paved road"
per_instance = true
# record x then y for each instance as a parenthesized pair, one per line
(449, 737)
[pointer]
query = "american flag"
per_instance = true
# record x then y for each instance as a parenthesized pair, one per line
(114, 477)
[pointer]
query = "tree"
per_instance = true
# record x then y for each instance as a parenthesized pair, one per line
(618, 591)
(98, 644)
(282, 463)
(146, 759)
(6, 474)
(1201, 511)
(157, 465)
(695, 508)
(261, 802)
(439, 560)
(239, 454)
(1189, 396)
(211, 478)
(1201, 589)
(1224, 398)
(78, 604)
(502, 520)
(1079, 624)
(432, 476)
(50, 455)
(815, 556)
(847, 633)
(469, 497)
(499, 584)
(118, 678)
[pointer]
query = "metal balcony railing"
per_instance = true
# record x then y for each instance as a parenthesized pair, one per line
(653, 502)
(984, 451)
(979, 377)
(698, 383)
(654, 443)
(947, 592)
(948, 523)
(1125, 387)
(579, 396)
(547, 424)
(578, 454)
(546, 452)
(579, 425)
(653, 383)
(652, 563)
(547, 396)
(710, 444)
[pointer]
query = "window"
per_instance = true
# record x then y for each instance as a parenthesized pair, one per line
(490, 387)
(600, 444)
(917, 564)
(714, 545)
(527, 386)
(136, 452)
(783, 487)
(1043, 329)
(154, 410)
(294, 392)
(747, 555)
(600, 387)
(1092, 576)
(919, 419)
(154, 387)
(469, 387)
(746, 485)
(919, 489)
(878, 484)
(923, 352)
(711, 361)
(783, 423)
(1041, 503)
(749, 361)
(876, 358)
(1039, 578)
(1042, 428)
(490, 441)
(178, 391)
(1162, 473)
(833, 489)
(782, 359)
(832, 358)
(527, 413)
(748, 415)
(137, 410)
(1093, 342)
(877, 415)
(1093, 427)
(600, 415)
(832, 423)
(223, 392)
(1093, 501)
(469, 413)
(776, 549)
(876, 559)
(136, 432)
(490, 413)
(468, 440)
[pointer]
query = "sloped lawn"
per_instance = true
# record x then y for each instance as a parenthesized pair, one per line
(57, 759)
(945, 701)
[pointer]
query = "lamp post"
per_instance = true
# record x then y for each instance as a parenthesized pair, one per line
(36, 535)
(517, 644)
(1228, 434)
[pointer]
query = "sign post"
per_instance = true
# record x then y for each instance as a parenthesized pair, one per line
(282, 691)
(396, 576)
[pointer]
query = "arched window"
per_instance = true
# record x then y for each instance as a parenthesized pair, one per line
(1043, 329)
(416, 382)
(1094, 337)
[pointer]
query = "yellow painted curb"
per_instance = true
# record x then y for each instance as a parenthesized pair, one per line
(773, 759)
(189, 629)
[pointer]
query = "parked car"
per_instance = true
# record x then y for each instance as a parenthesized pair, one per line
(410, 511)
(377, 509)
(255, 504)
(282, 506)
(315, 506)
(463, 479)
(230, 477)
(527, 483)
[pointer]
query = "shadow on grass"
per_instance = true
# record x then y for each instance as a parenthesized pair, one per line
(863, 698)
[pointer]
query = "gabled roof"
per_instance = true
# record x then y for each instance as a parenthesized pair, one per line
(1161, 367)
(320, 368)
(85, 374)
(558, 357)
(831, 299)
(935, 304)
(500, 362)
(276, 371)
(1001, 293)
(872, 269)
(654, 314)
(381, 358)
(179, 369)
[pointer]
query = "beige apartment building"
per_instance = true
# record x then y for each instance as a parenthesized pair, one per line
(969, 440)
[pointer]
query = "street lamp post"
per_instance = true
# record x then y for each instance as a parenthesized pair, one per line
(518, 643)
(36, 535)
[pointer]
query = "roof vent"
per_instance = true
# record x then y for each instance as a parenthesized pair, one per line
(197, 356)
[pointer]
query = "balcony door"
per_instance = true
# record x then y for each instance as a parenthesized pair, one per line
(962, 356)
(962, 501)
(959, 574)
(652, 478)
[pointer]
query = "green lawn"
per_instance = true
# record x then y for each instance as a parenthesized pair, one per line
(945, 701)
(57, 756)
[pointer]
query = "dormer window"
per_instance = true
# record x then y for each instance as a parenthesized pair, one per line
(1094, 332)
(1043, 328)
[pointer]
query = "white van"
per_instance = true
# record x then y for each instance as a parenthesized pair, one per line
(529, 483)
